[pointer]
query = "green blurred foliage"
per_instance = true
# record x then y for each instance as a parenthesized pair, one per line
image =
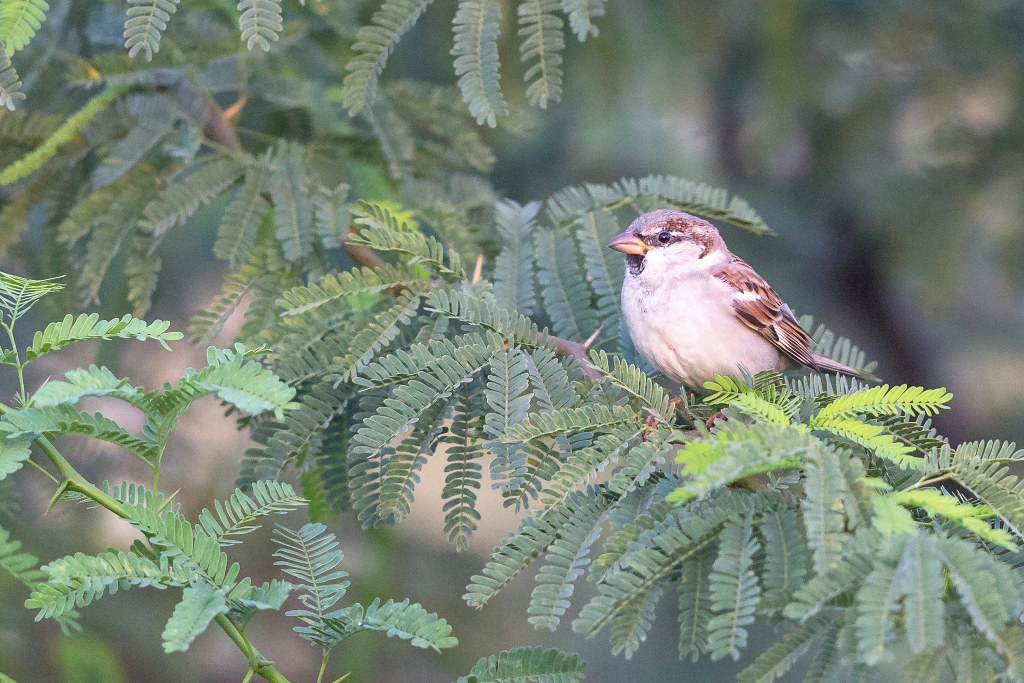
(87, 658)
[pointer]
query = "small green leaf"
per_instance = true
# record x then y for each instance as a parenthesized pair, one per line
(14, 451)
(200, 603)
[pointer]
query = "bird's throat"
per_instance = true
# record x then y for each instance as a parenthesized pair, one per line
(635, 263)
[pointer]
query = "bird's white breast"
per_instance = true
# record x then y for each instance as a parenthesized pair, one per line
(685, 326)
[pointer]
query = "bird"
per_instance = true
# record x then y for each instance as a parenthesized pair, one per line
(695, 310)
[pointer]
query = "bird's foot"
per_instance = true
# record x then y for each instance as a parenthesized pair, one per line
(710, 422)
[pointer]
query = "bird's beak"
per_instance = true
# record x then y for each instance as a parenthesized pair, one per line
(628, 243)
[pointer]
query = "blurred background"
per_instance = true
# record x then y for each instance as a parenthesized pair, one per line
(883, 141)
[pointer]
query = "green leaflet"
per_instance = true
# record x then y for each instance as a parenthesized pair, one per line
(92, 382)
(476, 59)
(374, 44)
(147, 20)
(200, 603)
(19, 21)
(541, 31)
(513, 270)
(527, 663)
(735, 590)
(10, 84)
(260, 22)
(13, 454)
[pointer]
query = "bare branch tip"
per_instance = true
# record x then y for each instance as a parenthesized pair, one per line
(478, 269)
(592, 338)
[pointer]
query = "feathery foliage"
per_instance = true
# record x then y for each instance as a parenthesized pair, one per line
(476, 26)
(147, 20)
(541, 30)
(10, 84)
(527, 664)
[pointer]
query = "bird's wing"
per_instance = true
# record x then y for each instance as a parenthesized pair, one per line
(761, 309)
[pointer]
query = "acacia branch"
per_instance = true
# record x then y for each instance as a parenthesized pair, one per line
(364, 256)
(74, 481)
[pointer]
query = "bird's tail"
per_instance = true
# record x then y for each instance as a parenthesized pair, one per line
(824, 364)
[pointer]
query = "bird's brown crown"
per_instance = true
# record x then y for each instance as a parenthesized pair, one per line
(651, 229)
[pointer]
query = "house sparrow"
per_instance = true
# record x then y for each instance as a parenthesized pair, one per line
(696, 310)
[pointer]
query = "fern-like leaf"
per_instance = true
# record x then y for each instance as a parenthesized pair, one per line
(260, 22)
(629, 627)
(242, 382)
(527, 664)
(593, 232)
(81, 382)
(675, 540)
(694, 604)
(300, 300)
(19, 565)
(486, 314)
(200, 603)
(18, 294)
(236, 516)
(463, 471)
(242, 218)
(877, 601)
(508, 398)
(384, 230)
(581, 16)
(376, 335)
(10, 86)
(293, 205)
(19, 21)
(374, 44)
(566, 558)
(13, 454)
(516, 552)
(786, 556)
(399, 620)
(64, 419)
(563, 286)
(990, 482)
(476, 27)
(311, 557)
(739, 451)
(735, 590)
(883, 400)
(586, 418)
(776, 661)
(874, 437)
(922, 585)
(823, 507)
(632, 379)
(147, 20)
(191, 188)
(513, 271)
(411, 400)
(78, 580)
(256, 279)
(541, 30)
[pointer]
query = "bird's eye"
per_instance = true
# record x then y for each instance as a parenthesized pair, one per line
(664, 237)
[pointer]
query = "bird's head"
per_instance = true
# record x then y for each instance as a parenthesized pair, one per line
(667, 240)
